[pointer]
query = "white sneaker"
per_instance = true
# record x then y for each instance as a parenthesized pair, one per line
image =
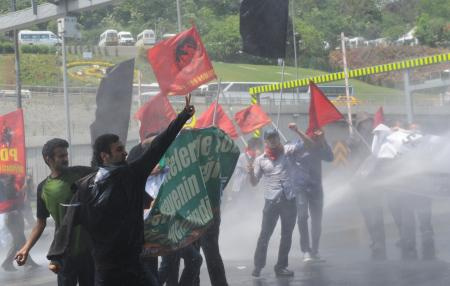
(307, 257)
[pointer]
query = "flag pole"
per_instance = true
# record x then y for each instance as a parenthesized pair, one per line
(295, 48)
(281, 94)
(360, 136)
(217, 100)
(347, 91)
(238, 130)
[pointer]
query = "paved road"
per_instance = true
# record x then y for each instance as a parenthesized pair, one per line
(344, 247)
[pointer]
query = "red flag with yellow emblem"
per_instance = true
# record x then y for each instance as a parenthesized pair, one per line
(181, 63)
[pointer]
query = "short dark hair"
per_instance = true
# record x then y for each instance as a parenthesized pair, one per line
(48, 150)
(254, 143)
(102, 144)
(271, 133)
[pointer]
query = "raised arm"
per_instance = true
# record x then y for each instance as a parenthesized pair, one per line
(324, 149)
(306, 140)
(151, 156)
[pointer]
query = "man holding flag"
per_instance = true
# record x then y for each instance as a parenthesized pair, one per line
(307, 181)
(109, 205)
(279, 193)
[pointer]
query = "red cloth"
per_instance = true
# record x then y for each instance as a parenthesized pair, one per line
(181, 63)
(155, 115)
(321, 110)
(273, 154)
(13, 155)
(222, 120)
(251, 118)
(378, 117)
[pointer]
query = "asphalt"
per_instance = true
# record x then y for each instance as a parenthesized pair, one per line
(344, 247)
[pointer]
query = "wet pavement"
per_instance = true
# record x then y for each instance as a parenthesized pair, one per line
(344, 247)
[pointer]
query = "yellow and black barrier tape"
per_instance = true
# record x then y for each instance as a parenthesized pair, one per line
(396, 66)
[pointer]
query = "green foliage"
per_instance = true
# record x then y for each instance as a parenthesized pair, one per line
(38, 49)
(433, 24)
(6, 48)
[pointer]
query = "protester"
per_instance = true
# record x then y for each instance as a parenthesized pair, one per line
(240, 181)
(369, 198)
(14, 222)
(150, 263)
(30, 194)
(307, 181)
(53, 194)
(109, 203)
(412, 207)
(273, 168)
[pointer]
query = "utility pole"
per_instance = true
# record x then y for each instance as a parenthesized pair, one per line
(62, 35)
(347, 91)
(408, 98)
(179, 16)
(17, 60)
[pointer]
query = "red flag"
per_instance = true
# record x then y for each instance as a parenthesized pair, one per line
(222, 120)
(181, 63)
(321, 110)
(251, 118)
(155, 115)
(378, 117)
(12, 158)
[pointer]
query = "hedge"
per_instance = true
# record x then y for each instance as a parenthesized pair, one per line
(38, 49)
(6, 48)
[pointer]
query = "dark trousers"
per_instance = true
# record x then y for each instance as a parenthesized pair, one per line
(15, 225)
(406, 208)
(286, 211)
(125, 274)
(77, 269)
(150, 268)
(209, 243)
(170, 266)
(370, 203)
(310, 203)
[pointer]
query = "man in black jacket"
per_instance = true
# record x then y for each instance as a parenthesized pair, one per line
(109, 205)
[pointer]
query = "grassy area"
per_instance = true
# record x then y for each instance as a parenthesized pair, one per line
(251, 73)
(44, 70)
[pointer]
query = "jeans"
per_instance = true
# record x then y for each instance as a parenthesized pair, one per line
(286, 211)
(370, 202)
(170, 266)
(210, 246)
(150, 267)
(406, 209)
(310, 202)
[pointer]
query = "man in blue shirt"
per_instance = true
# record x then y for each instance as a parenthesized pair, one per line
(306, 174)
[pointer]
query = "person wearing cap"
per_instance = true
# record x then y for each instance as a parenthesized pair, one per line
(53, 195)
(273, 168)
(307, 180)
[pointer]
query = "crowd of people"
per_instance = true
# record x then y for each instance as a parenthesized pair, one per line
(98, 211)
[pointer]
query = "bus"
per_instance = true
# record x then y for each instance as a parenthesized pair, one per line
(238, 92)
(108, 38)
(145, 38)
(48, 38)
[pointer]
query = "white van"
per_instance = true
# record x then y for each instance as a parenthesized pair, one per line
(168, 36)
(108, 38)
(125, 38)
(145, 38)
(48, 38)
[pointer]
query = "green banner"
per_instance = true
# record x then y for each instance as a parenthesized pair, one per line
(201, 162)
